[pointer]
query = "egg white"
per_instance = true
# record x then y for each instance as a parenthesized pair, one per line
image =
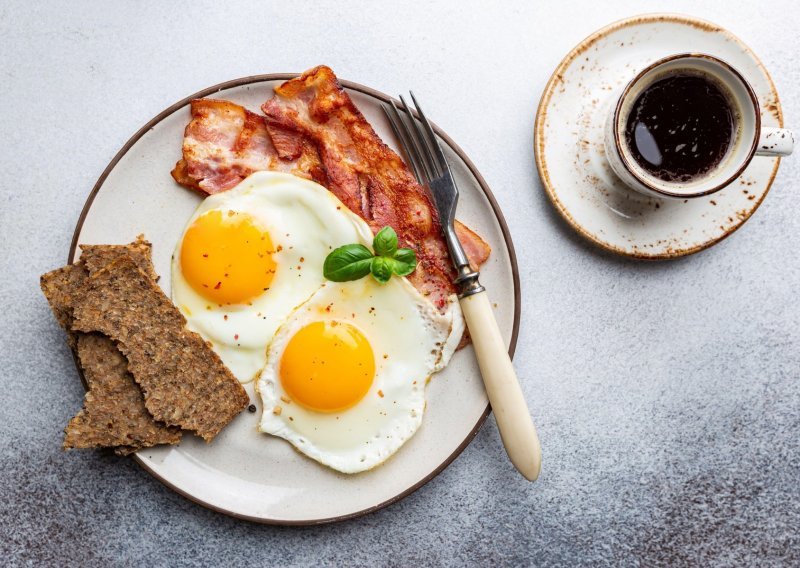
(408, 337)
(307, 221)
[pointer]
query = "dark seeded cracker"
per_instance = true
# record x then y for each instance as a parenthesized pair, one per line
(95, 257)
(58, 287)
(184, 382)
(113, 411)
(113, 397)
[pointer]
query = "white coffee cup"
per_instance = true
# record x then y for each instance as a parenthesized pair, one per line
(750, 138)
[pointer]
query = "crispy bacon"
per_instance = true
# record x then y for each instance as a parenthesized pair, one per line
(367, 176)
(314, 130)
(224, 143)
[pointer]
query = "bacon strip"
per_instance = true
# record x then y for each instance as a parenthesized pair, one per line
(224, 143)
(314, 130)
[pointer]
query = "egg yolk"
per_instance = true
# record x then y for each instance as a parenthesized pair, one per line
(327, 366)
(227, 258)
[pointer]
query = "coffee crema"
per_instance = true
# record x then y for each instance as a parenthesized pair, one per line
(681, 127)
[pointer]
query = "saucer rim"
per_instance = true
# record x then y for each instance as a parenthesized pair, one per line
(549, 89)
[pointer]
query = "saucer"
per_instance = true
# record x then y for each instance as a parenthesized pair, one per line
(570, 157)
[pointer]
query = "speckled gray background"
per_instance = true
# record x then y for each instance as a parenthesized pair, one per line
(667, 395)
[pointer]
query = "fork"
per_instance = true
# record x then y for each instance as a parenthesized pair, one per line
(431, 169)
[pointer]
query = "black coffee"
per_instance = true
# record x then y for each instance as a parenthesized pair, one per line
(680, 127)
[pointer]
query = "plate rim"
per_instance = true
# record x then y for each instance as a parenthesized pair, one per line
(484, 187)
(549, 89)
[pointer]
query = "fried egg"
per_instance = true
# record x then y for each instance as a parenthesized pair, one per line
(250, 255)
(346, 372)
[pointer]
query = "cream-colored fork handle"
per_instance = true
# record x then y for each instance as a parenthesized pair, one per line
(505, 395)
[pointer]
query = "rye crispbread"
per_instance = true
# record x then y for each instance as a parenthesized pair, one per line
(183, 381)
(58, 287)
(113, 413)
(95, 257)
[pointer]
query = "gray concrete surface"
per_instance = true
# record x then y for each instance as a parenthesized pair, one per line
(667, 395)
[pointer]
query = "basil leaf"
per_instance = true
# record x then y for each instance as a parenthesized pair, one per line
(355, 261)
(385, 242)
(404, 262)
(381, 269)
(349, 262)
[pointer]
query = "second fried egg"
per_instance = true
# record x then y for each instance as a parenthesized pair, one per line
(346, 372)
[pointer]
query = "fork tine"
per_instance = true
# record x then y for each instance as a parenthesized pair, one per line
(401, 132)
(414, 143)
(433, 143)
(430, 161)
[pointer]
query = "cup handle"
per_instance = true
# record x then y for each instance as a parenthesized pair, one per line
(775, 142)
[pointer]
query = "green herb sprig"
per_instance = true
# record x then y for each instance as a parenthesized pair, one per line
(352, 262)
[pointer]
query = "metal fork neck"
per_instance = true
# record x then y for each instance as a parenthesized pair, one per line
(466, 279)
(467, 282)
(453, 244)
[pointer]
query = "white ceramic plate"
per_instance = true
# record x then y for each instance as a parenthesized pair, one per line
(251, 475)
(569, 141)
